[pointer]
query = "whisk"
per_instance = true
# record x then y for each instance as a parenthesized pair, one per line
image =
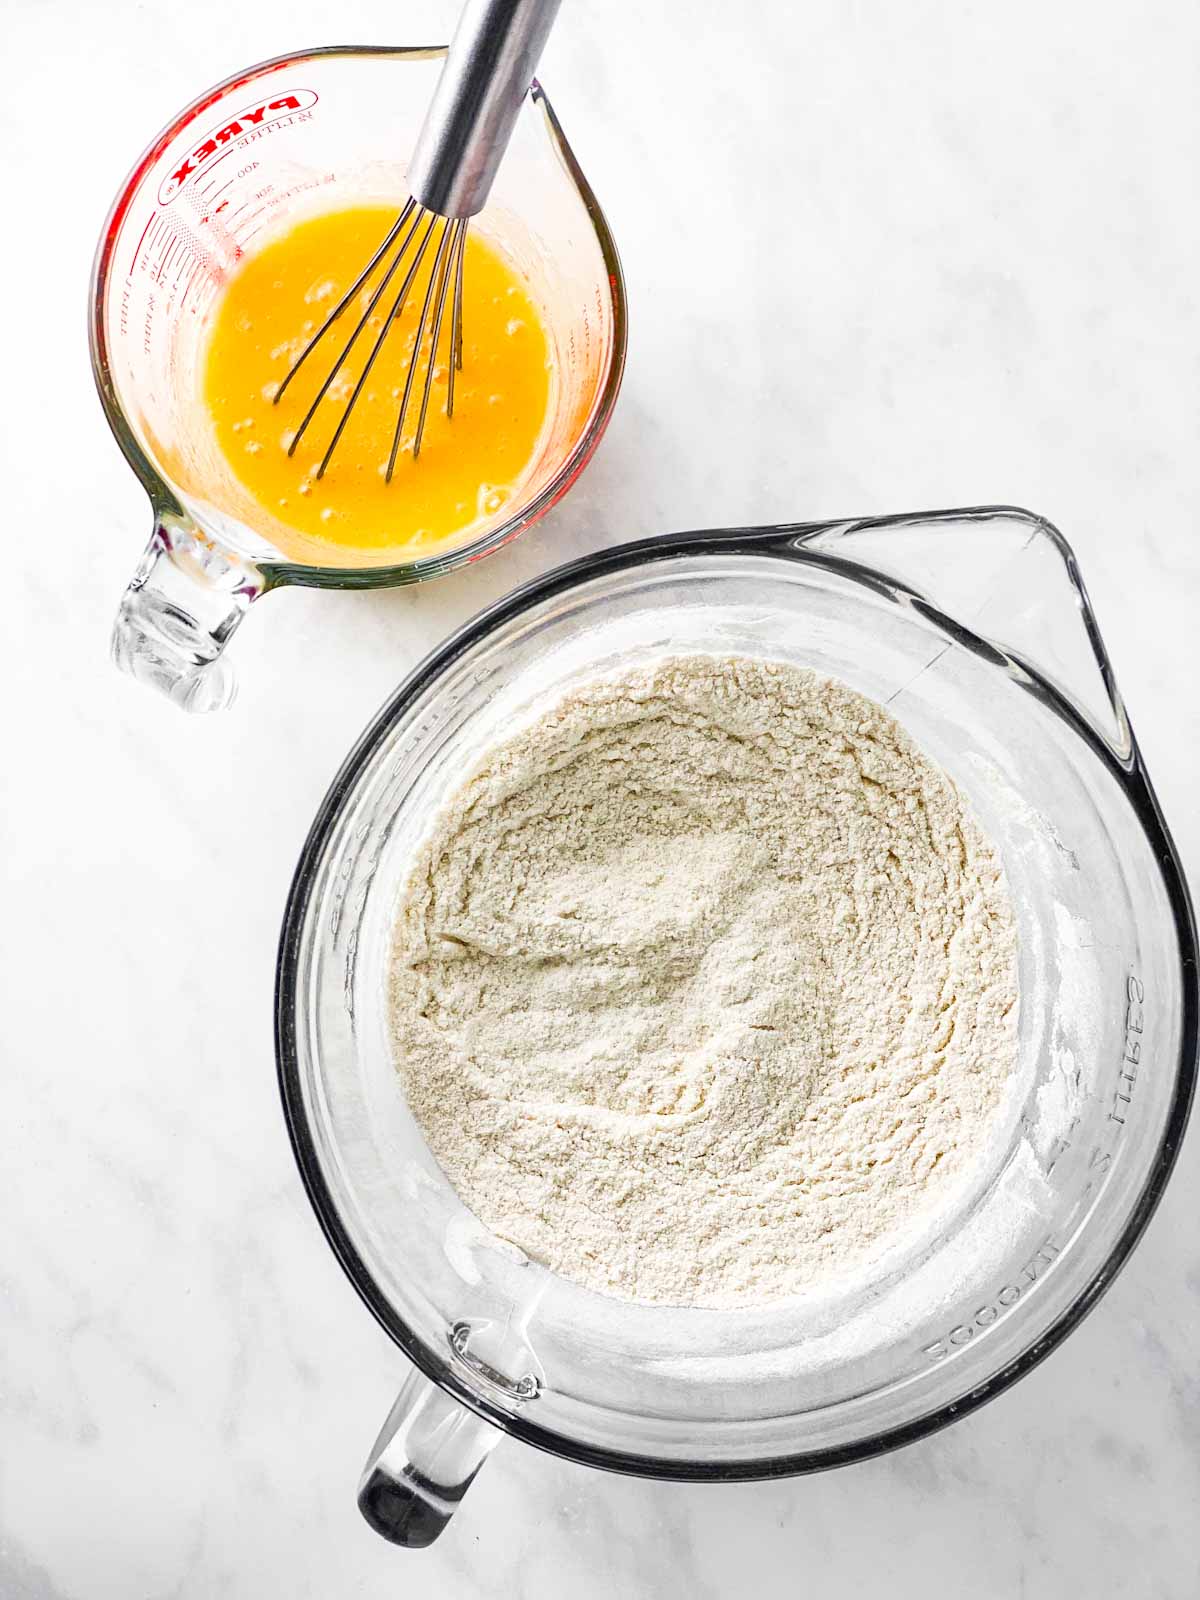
(470, 119)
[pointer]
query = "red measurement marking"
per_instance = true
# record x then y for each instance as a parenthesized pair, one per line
(188, 286)
(168, 250)
(213, 161)
(213, 210)
(254, 215)
(138, 248)
(154, 242)
(178, 245)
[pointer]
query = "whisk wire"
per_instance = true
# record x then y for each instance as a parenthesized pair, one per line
(454, 229)
(398, 305)
(410, 205)
(447, 269)
(363, 322)
(456, 326)
(438, 271)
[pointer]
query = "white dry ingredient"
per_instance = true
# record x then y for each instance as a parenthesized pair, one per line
(704, 983)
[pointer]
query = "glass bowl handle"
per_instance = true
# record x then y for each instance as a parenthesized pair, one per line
(422, 1463)
(181, 607)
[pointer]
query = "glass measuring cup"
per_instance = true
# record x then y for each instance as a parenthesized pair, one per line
(296, 134)
(975, 630)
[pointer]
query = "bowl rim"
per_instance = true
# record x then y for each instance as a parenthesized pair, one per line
(789, 539)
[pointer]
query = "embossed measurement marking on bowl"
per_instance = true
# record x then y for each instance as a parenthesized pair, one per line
(470, 465)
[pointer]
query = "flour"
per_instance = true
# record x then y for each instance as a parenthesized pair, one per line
(703, 984)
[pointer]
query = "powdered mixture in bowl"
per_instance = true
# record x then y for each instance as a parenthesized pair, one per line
(703, 984)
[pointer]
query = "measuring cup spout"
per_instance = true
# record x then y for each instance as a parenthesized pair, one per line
(184, 601)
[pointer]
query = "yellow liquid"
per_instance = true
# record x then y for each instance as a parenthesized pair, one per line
(470, 465)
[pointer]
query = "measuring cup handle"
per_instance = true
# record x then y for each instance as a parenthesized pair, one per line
(182, 604)
(422, 1463)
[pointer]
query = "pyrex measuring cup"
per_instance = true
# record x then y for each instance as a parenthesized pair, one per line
(974, 629)
(295, 134)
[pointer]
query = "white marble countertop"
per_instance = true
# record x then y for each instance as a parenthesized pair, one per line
(880, 258)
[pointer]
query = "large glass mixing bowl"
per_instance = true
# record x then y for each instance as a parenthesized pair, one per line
(973, 628)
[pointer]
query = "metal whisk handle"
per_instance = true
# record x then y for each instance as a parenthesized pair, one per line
(491, 61)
